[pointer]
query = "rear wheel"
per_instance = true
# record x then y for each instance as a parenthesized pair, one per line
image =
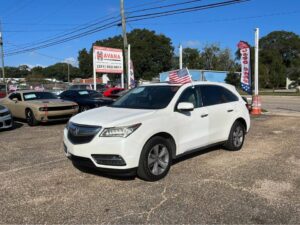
(30, 118)
(236, 137)
(156, 159)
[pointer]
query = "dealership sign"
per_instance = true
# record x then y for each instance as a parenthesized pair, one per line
(246, 67)
(107, 60)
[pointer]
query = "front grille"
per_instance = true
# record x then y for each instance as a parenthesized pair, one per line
(60, 108)
(4, 113)
(59, 117)
(81, 134)
(1, 124)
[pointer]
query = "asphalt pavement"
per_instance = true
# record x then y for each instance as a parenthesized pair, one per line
(259, 184)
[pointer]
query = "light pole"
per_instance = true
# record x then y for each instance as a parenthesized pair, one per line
(125, 44)
(2, 58)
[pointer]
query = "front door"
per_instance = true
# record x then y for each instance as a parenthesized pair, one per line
(192, 127)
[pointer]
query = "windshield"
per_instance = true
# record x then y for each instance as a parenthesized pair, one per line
(38, 96)
(89, 93)
(147, 97)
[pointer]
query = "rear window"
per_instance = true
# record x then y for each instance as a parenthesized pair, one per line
(214, 95)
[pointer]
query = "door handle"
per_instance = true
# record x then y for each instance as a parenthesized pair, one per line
(230, 110)
(204, 115)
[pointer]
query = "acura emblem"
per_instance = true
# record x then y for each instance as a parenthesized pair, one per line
(75, 131)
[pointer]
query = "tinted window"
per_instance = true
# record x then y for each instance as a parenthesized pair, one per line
(147, 97)
(213, 95)
(15, 95)
(190, 95)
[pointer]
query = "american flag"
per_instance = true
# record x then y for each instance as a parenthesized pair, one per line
(180, 76)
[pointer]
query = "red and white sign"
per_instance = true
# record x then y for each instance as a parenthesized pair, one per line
(108, 60)
(246, 67)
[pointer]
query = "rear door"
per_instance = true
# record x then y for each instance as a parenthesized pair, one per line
(192, 127)
(220, 103)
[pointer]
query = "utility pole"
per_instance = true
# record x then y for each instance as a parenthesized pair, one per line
(180, 56)
(125, 44)
(256, 61)
(68, 72)
(2, 58)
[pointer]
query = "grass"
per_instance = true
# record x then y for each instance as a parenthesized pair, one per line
(271, 93)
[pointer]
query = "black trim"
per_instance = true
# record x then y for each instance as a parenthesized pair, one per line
(199, 149)
(87, 163)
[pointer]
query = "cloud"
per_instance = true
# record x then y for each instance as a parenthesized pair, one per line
(192, 44)
(72, 61)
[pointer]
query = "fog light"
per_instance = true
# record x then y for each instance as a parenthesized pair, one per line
(109, 160)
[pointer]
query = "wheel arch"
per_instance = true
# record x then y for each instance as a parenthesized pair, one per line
(242, 121)
(168, 137)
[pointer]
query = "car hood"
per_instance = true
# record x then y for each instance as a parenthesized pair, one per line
(110, 116)
(51, 102)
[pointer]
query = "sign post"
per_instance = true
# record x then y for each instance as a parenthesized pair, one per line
(108, 60)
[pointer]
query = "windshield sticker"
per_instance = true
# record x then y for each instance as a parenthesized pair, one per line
(83, 92)
(29, 96)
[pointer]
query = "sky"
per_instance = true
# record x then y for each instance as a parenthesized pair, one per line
(25, 22)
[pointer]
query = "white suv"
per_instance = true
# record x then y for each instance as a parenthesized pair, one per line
(147, 128)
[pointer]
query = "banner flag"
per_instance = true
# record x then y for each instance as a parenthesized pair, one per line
(246, 67)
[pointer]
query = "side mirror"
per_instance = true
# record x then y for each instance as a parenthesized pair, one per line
(15, 100)
(185, 107)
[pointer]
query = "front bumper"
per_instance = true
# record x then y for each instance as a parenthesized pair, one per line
(51, 116)
(6, 122)
(82, 162)
(129, 149)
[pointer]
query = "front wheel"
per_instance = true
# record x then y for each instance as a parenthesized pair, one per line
(155, 160)
(236, 137)
(30, 118)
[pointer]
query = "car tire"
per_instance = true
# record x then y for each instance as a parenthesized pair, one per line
(155, 159)
(83, 108)
(30, 118)
(236, 137)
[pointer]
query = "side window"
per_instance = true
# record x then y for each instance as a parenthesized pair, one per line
(18, 96)
(214, 95)
(227, 96)
(189, 95)
(210, 95)
(12, 96)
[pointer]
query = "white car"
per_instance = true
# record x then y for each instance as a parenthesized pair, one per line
(6, 120)
(151, 125)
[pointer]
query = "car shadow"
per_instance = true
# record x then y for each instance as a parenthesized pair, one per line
(108, 175)
(15, 126)
(122, 177)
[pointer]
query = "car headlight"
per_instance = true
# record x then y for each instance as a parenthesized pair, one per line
(67, 125)
(119, 131)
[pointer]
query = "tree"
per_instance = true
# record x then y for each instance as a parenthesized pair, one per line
(60, 71)
(280, 58)
(151, 53)
(85, 60)
(233, 79)
(192, 59)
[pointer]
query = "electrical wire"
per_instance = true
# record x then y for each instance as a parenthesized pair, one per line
(129, 19)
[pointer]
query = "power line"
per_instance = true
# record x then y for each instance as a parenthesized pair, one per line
(225, 19)
(130, 19)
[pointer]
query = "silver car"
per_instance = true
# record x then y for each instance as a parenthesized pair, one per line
(6, 120)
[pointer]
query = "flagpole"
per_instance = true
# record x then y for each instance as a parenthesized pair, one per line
(192, 82)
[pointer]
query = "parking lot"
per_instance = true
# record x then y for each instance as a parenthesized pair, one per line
(259, 184)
